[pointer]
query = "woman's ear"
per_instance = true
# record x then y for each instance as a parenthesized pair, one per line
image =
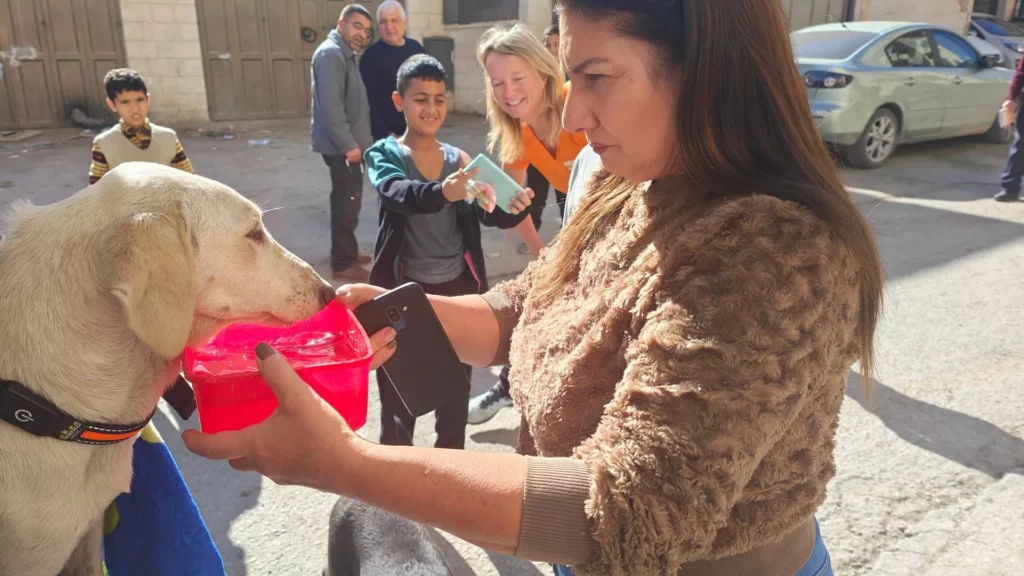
(153, 278)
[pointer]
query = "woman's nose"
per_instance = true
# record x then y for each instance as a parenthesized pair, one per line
(576, 117)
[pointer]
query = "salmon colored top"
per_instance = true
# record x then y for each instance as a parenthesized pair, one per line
(555, 168)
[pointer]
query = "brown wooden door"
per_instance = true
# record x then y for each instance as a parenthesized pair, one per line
(257, 53)
(54, 54)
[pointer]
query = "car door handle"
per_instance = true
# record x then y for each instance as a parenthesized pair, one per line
(910, 81)
(958, 80)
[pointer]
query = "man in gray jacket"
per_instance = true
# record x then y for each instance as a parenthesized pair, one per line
(340, 132)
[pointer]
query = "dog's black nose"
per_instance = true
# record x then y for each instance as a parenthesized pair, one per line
(326, 294)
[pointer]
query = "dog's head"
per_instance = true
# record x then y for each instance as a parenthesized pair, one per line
(190, 256)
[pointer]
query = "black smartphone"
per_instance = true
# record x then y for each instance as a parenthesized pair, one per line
(425, 370)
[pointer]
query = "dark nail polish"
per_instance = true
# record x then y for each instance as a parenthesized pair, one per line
(264, 351)
(393, 344)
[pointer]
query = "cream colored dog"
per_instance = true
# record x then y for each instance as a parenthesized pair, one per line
(99, 295)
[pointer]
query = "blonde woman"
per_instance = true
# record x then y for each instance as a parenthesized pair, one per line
(526, 92)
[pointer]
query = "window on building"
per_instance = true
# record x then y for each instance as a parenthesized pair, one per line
(474, 11)
(986, 6)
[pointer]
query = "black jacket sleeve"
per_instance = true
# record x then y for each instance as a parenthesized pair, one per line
(411, 197)
(499, 218)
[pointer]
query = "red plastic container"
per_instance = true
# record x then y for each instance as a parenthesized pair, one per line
(330, 352)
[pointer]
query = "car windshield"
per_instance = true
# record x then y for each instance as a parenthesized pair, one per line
(999, 27)
(829, 44)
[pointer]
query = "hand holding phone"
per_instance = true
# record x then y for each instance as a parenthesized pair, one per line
(499, 189)
(455, 187)
(424, 370)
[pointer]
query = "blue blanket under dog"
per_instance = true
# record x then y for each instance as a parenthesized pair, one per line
(156, 530)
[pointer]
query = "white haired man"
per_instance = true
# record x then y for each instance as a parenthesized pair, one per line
(379, 68)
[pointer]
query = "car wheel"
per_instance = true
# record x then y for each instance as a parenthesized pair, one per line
(998, 134)
(878, 141)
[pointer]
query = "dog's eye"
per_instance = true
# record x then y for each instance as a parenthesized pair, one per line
(256, 235)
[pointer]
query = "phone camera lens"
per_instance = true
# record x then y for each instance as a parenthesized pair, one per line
(394, 316)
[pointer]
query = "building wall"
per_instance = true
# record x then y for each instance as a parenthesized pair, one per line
(161, 40)
(426, 18)
(469, 76)
(953, 13)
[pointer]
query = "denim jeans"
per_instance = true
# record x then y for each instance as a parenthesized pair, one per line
(1014, 170)
(819, 563)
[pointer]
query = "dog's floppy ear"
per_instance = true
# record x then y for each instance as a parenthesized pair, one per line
(154, 280)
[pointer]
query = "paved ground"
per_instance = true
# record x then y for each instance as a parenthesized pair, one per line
(930, 479)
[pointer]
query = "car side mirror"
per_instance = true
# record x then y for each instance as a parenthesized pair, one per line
(988, 61)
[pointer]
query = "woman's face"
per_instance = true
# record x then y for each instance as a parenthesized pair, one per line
(518, 87)
(628, 116)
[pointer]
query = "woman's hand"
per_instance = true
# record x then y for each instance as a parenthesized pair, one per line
(520, 202)
(304, 442)
(383, 342)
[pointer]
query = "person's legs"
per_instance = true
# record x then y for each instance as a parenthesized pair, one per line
(346, 200)
(450, 422)
(484, 407)
(539, 184)
(1014, 171)
(396, 424)
(560, 198)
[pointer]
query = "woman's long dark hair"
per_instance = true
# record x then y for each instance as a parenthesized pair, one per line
(744, 125)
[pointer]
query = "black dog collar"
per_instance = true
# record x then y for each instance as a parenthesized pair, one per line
(34, 414)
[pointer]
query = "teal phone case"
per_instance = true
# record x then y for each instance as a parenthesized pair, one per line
(505, 188)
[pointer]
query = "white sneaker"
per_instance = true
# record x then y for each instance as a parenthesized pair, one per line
(485, 406)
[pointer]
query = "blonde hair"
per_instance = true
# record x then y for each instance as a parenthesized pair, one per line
(506, 135)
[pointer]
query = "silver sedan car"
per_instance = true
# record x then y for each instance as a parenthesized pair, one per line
(875, 85)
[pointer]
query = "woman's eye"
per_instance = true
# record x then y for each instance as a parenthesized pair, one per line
(257, 235)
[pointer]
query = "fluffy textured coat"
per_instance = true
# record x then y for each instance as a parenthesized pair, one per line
(696, 365)
(99, 294)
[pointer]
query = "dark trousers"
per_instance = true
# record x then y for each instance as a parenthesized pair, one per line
(539, 184)
(1015, 163)
(396, 424)
(346, 199)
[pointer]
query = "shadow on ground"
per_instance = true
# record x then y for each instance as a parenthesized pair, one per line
(913, 238)
(969, 441)
(220, 503)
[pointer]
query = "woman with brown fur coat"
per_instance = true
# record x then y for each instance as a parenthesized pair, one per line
(680, 353)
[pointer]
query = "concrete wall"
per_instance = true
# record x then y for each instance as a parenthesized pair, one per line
(953, 13)
(469, 76)
(162, 42)
(426, 18)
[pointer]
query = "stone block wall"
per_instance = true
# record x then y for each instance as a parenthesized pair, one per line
(953, 13)
(162, 42)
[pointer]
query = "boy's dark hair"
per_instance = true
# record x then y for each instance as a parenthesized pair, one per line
(552, 31)
(123, 80)
(420, 67)
(356, 9)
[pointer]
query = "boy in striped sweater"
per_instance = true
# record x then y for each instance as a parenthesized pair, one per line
(134, 138)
